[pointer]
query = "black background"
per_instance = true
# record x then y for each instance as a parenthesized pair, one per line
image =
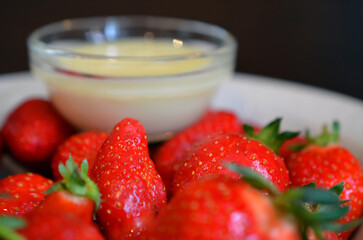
(310, 41)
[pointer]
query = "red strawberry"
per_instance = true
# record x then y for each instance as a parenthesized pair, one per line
(217, 207)
(326, 163)
(34, 130)
(131, 190)
(22, 193)
(64, 201)
(76, 193)
(81, 146)
(220, 208)
(57, 225)
(207, 157)
(169, 156)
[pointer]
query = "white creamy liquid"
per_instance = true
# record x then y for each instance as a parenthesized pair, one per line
(166, 96)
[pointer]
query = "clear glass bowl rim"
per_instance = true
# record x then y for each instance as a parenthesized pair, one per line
(229, 43)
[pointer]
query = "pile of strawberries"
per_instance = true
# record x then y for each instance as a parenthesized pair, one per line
(217, 179)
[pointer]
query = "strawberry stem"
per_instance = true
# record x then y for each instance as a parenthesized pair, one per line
(326, 137)
(270, 135)
(76, 181)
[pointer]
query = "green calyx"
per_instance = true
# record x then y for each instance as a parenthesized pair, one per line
(326, 137)
(8, 227)
(270, 135)
(313, 208)
(76, 181)
(337, 189)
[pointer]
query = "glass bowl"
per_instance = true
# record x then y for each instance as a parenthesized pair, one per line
(160, 71)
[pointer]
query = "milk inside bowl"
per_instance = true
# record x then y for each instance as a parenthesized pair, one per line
(164, 82)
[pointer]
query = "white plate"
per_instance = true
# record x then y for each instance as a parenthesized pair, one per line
(254, 98)
(262, 99)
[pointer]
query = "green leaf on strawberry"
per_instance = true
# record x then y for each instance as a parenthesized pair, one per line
(312, 207)
(326, 137)
(270, 135)
(8, 225)
(76, 181)
(338, 188)
(336, 227)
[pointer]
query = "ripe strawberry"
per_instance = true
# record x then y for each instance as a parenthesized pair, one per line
(57, 225)
(326, 163)
(34, 130)
(219, 208)
(81, 146)
(169, 156)
(131, 190)
(22, 193)
(76, 193)
(207, 156)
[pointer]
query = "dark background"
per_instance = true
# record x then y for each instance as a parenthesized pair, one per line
(310, 41)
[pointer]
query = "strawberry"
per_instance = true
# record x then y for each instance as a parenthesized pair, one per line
(207, 156)
(326, 163)
(132, 192)
(219, 207)
(81, 146)
(169, 156)
(76, 193)
(21, 193)
(34, 130)
(57, 225)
